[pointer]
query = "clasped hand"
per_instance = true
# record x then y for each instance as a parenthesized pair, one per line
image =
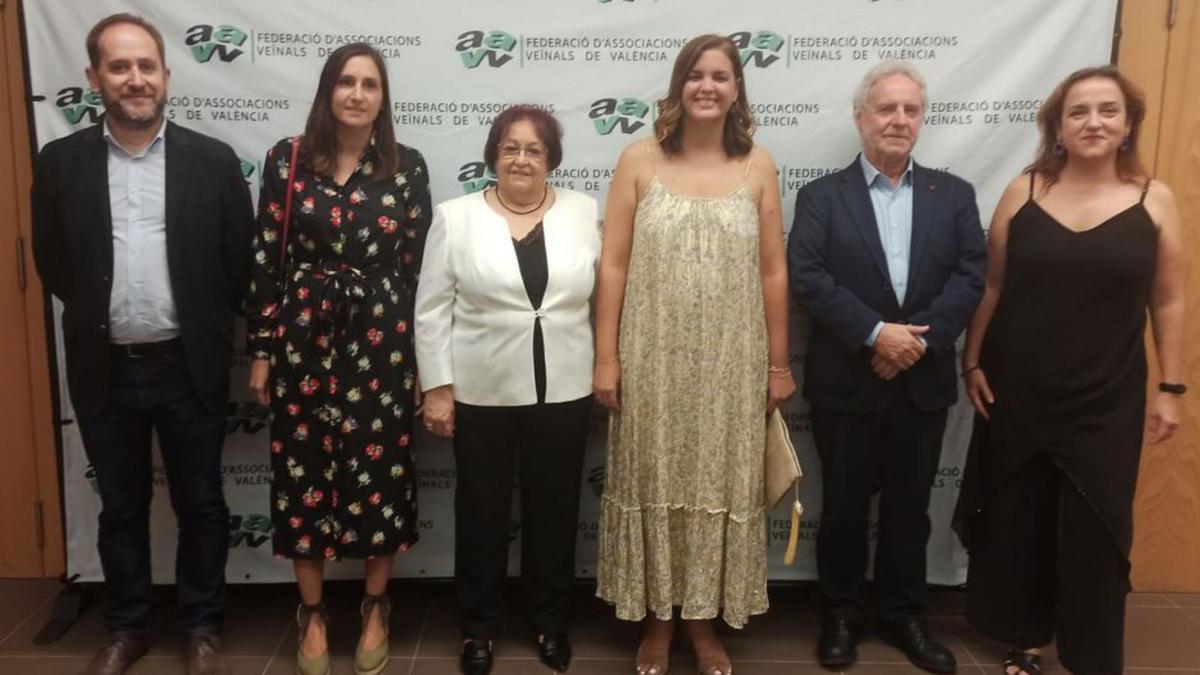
(897, 348)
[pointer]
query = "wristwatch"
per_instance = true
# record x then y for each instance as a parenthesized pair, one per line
(1172, 388)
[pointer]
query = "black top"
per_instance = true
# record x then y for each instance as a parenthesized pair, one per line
(531, 257)
(1065, 357)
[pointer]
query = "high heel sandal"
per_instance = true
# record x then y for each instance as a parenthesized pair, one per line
(372, 661)
(1026, 663)
(311, 665)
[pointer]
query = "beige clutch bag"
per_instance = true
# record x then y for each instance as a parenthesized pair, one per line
(781, 475)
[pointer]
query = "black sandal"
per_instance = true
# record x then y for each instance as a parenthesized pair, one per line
(1025, 662)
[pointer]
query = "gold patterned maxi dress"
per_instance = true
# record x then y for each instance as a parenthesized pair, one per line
(682, 519)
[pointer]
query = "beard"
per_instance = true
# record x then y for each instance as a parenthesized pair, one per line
(114, 108)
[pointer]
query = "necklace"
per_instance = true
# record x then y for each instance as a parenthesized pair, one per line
(545, 192)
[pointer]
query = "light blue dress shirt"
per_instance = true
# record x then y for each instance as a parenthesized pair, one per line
(141, 308)
(893, 207)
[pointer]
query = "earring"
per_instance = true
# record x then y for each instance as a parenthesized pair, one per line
(1059, 150)
(1124, 147)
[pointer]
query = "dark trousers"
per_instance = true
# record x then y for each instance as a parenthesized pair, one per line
(546, 441)
(1044, 564)
(145, 395)
(894, 451)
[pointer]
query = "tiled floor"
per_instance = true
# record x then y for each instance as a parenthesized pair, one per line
(1162, 636)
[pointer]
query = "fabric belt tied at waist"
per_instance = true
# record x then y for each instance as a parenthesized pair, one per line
(343, 288)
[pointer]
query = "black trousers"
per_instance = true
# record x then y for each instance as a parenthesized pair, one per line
(894, 451)
(546, 441)
(1042, 565)
(147, 395)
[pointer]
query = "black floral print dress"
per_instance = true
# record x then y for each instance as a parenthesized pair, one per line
(337, 329)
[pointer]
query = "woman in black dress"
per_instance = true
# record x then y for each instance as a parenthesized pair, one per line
(1080, 246)
(331, 338)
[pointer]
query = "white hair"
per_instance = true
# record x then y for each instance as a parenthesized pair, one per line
(887, 69)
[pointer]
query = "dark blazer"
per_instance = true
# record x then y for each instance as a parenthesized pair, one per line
(839, 275)
(208, 221)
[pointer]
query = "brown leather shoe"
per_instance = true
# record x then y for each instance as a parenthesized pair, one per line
(117, 654)
(205, 655)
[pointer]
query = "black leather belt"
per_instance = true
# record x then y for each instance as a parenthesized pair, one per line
(146, 350)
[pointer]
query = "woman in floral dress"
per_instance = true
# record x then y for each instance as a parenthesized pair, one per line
(330, 335)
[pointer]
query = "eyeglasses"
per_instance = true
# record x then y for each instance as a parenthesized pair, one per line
(533, 153)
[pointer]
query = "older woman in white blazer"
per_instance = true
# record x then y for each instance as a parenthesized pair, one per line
(504, 351)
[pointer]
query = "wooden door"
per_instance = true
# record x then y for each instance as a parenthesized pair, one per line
(30, 521)
(1160, 50)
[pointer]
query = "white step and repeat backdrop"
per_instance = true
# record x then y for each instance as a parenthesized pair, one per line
(245, 72)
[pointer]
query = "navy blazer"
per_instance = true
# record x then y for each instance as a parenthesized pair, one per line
(208, 224)
(839, 275)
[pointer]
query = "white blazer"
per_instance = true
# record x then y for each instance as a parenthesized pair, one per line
(474, 321)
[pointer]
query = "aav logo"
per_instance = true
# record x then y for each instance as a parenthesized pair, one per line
(627, 114)
(222, 41)
(475, 176)
(759, 49)
(495, 47)
(90, 476)
(251, 530)
(248, 170)
(78, 104)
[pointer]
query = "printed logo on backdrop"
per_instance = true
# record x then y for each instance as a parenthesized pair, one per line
(208, 43)
(249, 416)
(625, 115)
(763, 49)
(79, 105)
(759, 49)
(223, 42)
(494, 48)
(457, 114)
(792, 178)
(249, 172)
(250, 530)
(498, 48)
(89, 475)
(475, 176)
(948, 477)
(435, 479)
(595, 480)
(993, 112)
(223, 108)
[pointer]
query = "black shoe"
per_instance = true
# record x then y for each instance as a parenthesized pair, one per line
(839, 635)
(476, 657)
(117, 654)
(554, 651)
(912, 636)
(205, 655)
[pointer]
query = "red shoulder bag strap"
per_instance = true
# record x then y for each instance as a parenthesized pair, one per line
(287, 207)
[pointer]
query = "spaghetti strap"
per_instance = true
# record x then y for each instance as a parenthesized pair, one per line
(1032, 175)
(747, 171)
(1145, 188)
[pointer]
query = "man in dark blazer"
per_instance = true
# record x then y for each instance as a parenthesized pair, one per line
(888, 259)
(141, 228)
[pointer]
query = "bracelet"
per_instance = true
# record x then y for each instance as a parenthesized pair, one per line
(779, 371)
(612, 360)
(969, 369)
(1172, 388)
